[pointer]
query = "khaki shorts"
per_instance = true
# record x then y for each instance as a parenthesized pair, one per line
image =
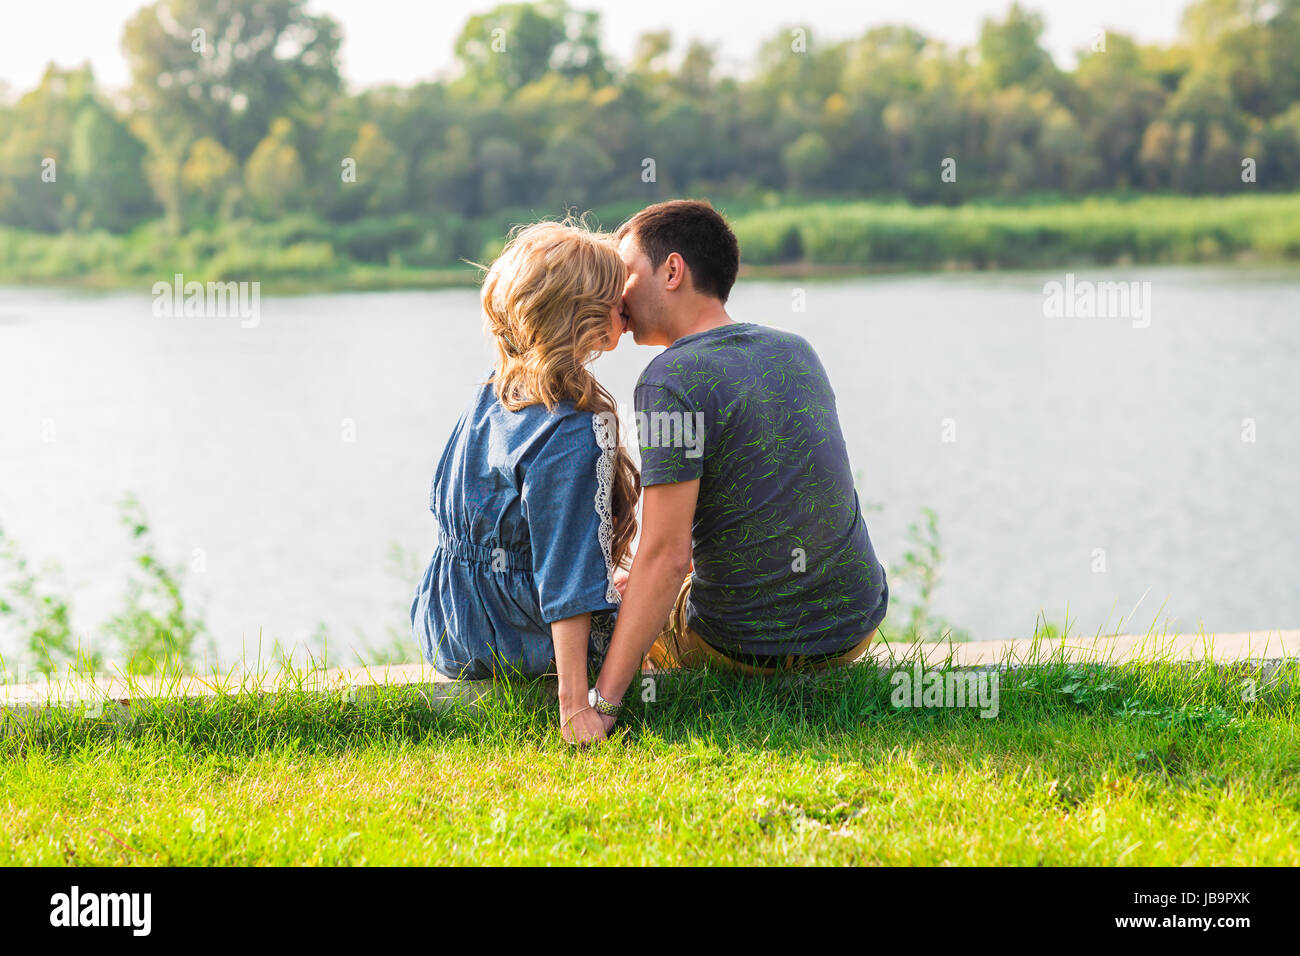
(679, 646)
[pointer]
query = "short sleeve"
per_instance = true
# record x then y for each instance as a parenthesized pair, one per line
(566, 502)
(670, 435)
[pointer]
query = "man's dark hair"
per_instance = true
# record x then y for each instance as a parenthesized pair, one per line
(695, 231)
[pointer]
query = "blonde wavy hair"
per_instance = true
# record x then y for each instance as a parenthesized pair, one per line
(546, 302)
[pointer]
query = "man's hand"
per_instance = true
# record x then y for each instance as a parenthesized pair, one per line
(620, 579)
(582, 727)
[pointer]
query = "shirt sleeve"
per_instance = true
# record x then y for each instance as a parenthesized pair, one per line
(566, 501)
(670, 435)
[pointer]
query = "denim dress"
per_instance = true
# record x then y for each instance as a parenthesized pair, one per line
(523, 505)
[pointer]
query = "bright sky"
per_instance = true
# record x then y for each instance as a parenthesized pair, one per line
(406, 40)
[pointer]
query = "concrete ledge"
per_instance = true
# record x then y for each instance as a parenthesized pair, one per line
(1273, 645)
(113, 696)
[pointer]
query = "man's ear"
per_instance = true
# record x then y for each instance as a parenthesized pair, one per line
(676, 271)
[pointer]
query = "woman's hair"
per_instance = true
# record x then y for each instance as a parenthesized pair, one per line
(546, 302)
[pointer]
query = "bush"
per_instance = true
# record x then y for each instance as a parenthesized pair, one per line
(253, 264)
(377, 240)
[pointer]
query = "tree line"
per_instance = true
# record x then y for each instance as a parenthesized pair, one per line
(237, 111)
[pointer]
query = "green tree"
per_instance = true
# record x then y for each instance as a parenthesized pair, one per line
(1276, 146)
(515, 44)
(575, 166)
(807, 160)
(273, 175)
(1254, 44)
(1197, 143)
(209, 176)
(650, 57)
(502, 164)
(38, 188)
(225, 70)
(1010, 52)
(107, 164)
(380, 170)
(447, 177)
(1118, 99)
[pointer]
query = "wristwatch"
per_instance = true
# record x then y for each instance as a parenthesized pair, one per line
(601, 705)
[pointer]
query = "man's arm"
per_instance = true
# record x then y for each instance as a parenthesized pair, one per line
(661, 563)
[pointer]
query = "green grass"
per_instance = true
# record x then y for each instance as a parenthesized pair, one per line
(1158, 764)
(301, 253)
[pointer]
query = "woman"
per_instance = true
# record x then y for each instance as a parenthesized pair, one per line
(534, 496)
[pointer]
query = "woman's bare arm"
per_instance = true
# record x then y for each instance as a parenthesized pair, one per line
(578, 722)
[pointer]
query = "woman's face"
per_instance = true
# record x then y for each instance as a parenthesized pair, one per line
(617, 324)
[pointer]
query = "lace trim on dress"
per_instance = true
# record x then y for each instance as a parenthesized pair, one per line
(605, 498)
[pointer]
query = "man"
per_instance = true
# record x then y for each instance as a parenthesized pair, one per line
(784, 573)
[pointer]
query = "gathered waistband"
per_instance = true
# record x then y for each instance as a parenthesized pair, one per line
(497, 557)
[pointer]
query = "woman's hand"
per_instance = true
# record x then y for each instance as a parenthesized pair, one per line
(579, 723)
(583, 726)
(620, 579)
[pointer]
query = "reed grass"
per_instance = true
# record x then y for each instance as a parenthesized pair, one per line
(304, 254)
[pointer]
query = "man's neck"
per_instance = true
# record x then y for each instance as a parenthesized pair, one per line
(710, 315)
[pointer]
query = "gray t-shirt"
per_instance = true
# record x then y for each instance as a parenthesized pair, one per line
(783, 561)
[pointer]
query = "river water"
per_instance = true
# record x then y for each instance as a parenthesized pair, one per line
(1100, 464)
